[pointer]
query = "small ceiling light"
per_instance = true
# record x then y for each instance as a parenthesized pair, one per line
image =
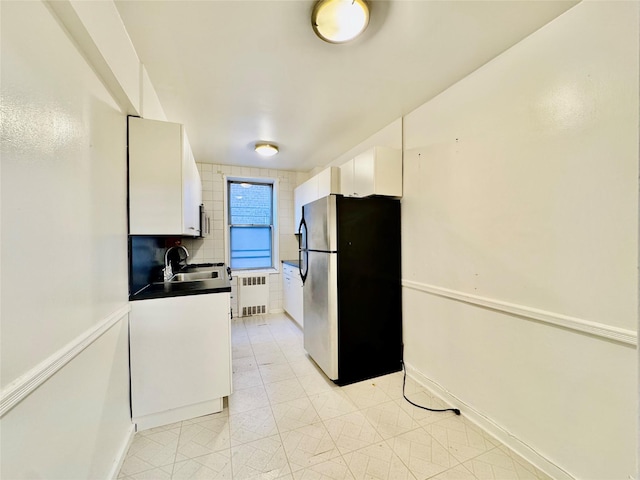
(266, 149)
(339, 21)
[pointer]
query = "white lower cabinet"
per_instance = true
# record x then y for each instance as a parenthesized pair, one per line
(180, 354)
(292, 293)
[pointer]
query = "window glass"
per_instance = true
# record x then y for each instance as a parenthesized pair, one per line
(250, 225)
(250, 247)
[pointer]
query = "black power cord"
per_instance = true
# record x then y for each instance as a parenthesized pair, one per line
(404, 381)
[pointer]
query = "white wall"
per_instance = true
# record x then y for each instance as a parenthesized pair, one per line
(212, 248)
(64, 256)
(520, 213)
(150, 107)
(389, 136)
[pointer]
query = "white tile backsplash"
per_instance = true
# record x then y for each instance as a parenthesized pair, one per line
(212, 249)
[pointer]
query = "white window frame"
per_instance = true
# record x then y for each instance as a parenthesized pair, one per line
(275, 241)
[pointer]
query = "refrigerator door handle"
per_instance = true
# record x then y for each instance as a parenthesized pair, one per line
(303, 266)
(303, 273)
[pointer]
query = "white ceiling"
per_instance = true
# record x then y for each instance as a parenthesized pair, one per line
(235, 72)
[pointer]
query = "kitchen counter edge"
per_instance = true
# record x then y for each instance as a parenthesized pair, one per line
(181, 289)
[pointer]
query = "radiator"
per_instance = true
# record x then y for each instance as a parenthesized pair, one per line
(253, 295)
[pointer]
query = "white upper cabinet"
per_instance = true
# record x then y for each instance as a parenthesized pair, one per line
(191, 191)
(328, 182)
(377, 171)
(303, 194)
(324, 183)
(165, 191)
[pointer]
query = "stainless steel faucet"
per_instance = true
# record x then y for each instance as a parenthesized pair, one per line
(168, 270)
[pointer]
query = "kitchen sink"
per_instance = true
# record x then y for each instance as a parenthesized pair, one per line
(194, 269)
(192, 276)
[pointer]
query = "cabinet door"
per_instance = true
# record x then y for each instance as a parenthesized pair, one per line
(303, 194)
(297, 299)
(387, 171)
(297, 208)
(347, 187)
(328, 182)
(377, 171)
(286, 293)
(292, 296)
(191, 191)
(180, 352)
(155, 177)
(364, 174)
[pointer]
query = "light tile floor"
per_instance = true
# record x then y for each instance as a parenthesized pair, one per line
(286, 420)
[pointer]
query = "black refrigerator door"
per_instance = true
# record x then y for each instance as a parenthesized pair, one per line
(369, 287)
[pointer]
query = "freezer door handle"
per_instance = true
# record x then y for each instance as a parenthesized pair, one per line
(302, 231)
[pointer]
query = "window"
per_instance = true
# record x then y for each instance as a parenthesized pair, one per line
(251, 224)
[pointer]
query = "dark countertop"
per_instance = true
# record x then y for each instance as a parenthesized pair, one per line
(180, 289)
(293, 263)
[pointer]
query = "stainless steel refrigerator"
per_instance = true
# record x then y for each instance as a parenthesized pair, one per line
(350, 266)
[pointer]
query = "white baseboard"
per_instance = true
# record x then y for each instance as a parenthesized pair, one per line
(295, 322)
(122, 454)
(167, 417)
(488, 425)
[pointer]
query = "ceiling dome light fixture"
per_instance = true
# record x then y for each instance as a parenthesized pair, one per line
(266, 149)
(339, 21)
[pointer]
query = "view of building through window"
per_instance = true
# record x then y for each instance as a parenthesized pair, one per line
(250, 225)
